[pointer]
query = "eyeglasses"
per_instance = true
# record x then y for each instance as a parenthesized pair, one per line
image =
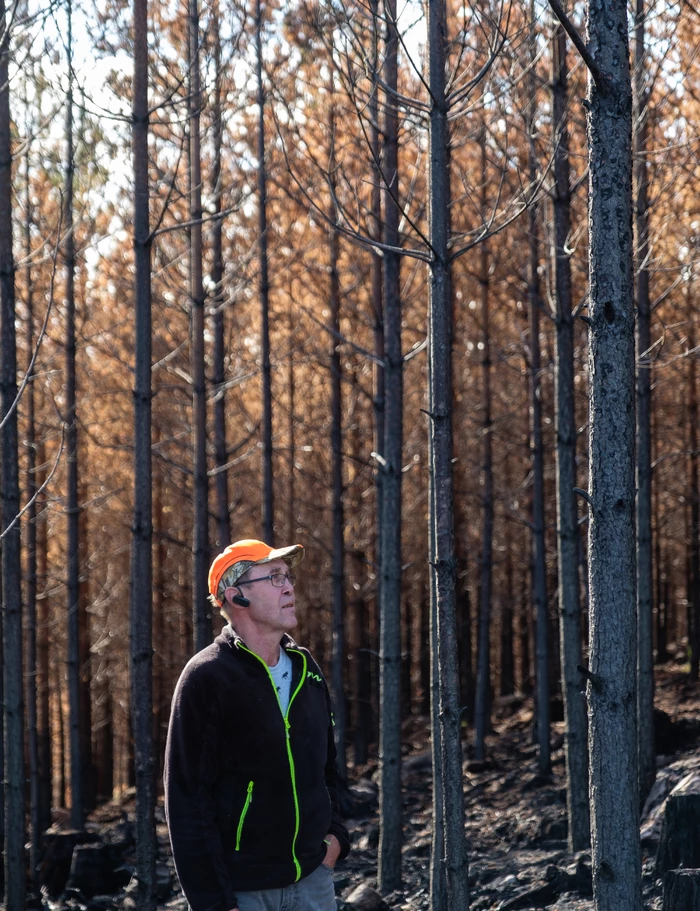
(276, 579)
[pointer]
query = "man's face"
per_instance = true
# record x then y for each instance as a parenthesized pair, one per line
(271, 609)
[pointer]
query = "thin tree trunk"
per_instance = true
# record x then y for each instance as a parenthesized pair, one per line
(338, 516)
(200, 543)
(390, 816)
(612, 686)
(464, 621)
(442, 556)
(360, 660)
(13, 759)
(160, 686)
(84, 654)
(694, 498)
(141, 605)
(483, 660)
(567, 519)
(645, 605)
(268, 511)
(77, 777)
(378, 398)
(539, 575)
(43, 683)
(438, 882)
(60, 788)
(524, 637)
(31, 538)
(377, 295)
(223, 523)
(291, 427)
(507, 662)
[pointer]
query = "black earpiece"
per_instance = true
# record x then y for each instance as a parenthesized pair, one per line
(241, 601)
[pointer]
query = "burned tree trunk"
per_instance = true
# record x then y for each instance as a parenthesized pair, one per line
(483, 659)
(13, 759)
(539, 575)
(200, 543)
(390, 833)
(645, 586)
(223, 523)
(77, 773)
(612, 685)
(442, 557)
(268, 508)
(141, 606)
(567, 525)
(338, 511)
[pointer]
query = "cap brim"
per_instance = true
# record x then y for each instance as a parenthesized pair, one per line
(291, 555)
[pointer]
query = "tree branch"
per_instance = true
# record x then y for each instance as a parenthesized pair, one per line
(599, 77)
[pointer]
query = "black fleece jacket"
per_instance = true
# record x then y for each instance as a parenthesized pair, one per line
(249, 796)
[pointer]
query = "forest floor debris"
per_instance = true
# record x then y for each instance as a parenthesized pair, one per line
(515, 821)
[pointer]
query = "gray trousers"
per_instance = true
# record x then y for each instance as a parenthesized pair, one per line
(315, 892)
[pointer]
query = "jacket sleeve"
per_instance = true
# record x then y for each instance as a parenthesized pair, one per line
(331, 774)
(191, 767)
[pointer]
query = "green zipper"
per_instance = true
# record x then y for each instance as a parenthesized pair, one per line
(292, 770)
(248, 799)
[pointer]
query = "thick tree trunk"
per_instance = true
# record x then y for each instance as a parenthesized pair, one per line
(268, 510)
(442, 557)
(389, 872)
(201, 612)
(13, 765)
(482, 721)
(645, 577)
(223, 523)
(612, 685)
(140, 609)
(567, 521)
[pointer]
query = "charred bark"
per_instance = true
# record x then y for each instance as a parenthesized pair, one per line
(567, 519)
(13, 758)
(390, 837)
(442, 556)
(645, 576)
(141, 606)
(612, 686)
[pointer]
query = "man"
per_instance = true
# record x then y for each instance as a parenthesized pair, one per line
(250, 774)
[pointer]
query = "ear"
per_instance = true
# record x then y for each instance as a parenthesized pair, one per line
(234, 596)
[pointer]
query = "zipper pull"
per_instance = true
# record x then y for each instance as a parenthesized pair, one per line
(287, 726)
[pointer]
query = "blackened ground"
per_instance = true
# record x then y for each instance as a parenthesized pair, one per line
(515, 821)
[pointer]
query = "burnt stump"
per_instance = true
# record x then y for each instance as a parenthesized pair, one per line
(679, 844)
(682, 890)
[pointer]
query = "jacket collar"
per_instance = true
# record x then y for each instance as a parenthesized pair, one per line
(230, 638)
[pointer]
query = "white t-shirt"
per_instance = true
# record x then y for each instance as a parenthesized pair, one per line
(282, 678)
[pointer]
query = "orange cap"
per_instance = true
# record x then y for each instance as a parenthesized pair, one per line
(247, 553)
